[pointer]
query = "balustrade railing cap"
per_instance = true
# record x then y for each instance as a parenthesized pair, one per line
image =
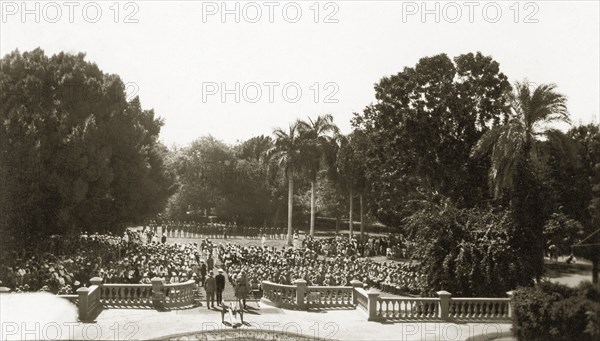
(4, 290)
(355, 283)
(300, 281)
(83, 289)
(443, 293)
(510, 293)
(373, 291)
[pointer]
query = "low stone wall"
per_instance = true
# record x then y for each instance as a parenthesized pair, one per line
(158, 295)
(88, 305)
(377, 308)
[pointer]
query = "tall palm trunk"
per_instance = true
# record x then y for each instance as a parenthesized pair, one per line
(337, 224)
(312, 208)
(595, 271)
(362, 222)
(350, 214)
(290, 206)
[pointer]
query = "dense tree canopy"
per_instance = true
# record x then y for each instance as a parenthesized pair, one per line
(74, 153)
(423, 126)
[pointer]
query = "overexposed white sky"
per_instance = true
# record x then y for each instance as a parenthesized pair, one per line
(181, 51)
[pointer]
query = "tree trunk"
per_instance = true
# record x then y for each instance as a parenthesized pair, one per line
(595, 271)
(276, 218)
(350, 214)
(337, 224)
(362, 222)
(290, 206)
(312, 208)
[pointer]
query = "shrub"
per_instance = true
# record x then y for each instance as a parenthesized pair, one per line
(468, 252)
(551, 311)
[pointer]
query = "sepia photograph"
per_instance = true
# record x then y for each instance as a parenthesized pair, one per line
(300, 170)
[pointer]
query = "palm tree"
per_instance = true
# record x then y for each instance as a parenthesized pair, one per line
(516, 141)
(315, 136)
(346, 170)
(286, 152)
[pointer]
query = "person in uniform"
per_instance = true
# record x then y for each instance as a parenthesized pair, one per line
(209, 286)
(220, 281)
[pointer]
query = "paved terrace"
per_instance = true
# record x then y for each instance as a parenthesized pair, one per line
(348, 324)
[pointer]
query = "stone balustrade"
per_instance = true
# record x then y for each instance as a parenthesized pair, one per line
(300, 296)
(178, 294)
(280, 295)
(375, 307)
(479, 308)
(126, 295)
(88, 304)
(333, 296)
(158, 295)
(392, 308)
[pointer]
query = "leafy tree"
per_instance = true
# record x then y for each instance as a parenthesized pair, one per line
(74, 153)
(422, 128)
(586, 200)
(256, 148)
(562, 232)
(202, 170)
(468, 252)
(514, 151)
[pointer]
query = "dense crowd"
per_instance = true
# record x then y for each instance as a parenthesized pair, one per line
(66, 265)
(59, 265)
(139, 256)
(320, 262)
(391, 246)
(191, 229)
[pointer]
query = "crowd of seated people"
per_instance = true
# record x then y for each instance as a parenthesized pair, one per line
(286, 265)
(391, 246)
(135, 258)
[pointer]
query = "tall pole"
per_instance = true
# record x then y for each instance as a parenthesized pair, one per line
(362, 223)
(350, 214)
(312, 208)
(290, 206)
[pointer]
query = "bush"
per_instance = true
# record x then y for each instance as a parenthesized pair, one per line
(552, 311)
(468, 252)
